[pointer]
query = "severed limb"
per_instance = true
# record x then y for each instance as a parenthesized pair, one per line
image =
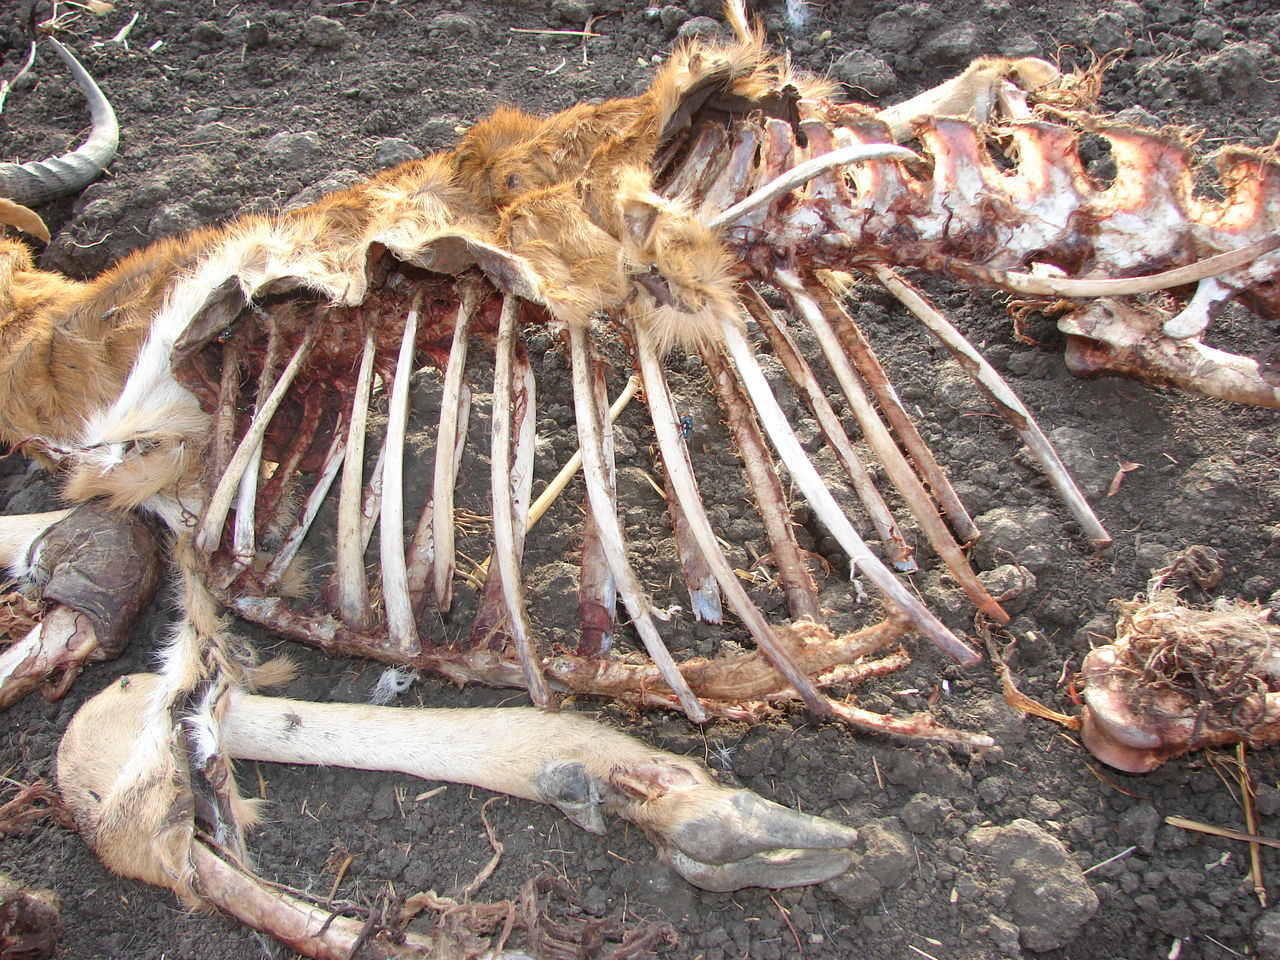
(97, 570)
(1178, 679)
(717, 838)
(1002, 397)
(602, 507)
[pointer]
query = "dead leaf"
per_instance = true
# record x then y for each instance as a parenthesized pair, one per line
(1119, 477)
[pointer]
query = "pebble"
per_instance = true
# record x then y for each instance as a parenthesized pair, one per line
(324, 33)
(865, 72)
(393, 151)
(1051, 899)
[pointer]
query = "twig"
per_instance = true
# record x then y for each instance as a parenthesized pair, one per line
(1225, 832)
(786, 918)
(1119, 856)
(494, 842)
(1251, 824)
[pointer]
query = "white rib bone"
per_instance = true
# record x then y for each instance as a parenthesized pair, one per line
(210, 531)
(401, 627)
(602, 506)
(243, 536)
(802, 173)
(887, 452)
(823, 503)
(448, 451)
(1002, 396)
(900, 553)
(667, 430)
(506, 539)
(349, 573)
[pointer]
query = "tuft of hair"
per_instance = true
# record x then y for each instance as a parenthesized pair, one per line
(391, 683)
(143, 453)
(276, 672)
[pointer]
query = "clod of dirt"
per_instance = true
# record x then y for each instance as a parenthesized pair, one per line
(1050, 900)
(882, 860)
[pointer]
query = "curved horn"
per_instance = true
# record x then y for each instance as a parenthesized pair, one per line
(38, 181)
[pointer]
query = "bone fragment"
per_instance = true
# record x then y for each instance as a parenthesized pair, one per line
(1002, 396)
(210, 530)
(401, 626)
(797, 583)
(63, 639)
(895, 546)
(887, 451)
(1112, 336)
(448, 440)
(823, 503)
(611, 540)
(354, 604)
(506, 490)
(667, 430)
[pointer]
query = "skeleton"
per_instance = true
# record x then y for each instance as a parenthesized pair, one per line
(627, 209)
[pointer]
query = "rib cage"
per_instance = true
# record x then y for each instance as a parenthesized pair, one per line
(967, 219)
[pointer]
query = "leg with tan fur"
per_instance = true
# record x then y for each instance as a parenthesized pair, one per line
(717, 837)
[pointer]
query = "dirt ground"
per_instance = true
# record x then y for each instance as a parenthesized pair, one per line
(1032, 846)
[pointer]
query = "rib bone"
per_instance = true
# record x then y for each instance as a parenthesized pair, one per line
(1004, 399)
(507, 540)
(349, 573)
(611, 540)
(401, 625)
(886, 451)
(823, 503)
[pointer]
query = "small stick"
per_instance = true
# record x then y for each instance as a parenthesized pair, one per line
(574, 463)
(1251, 824)
(1225, 832)
(7, 85)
